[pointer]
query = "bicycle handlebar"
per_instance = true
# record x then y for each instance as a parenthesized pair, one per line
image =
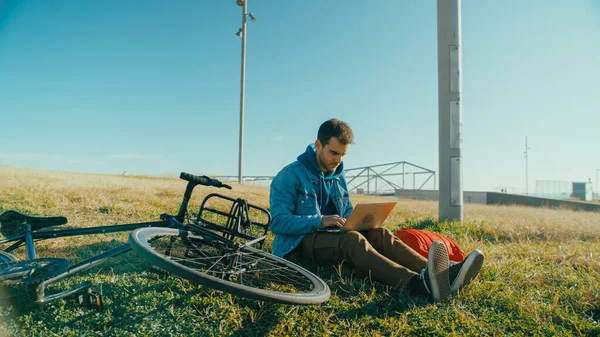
(194, 180)
(203, 180)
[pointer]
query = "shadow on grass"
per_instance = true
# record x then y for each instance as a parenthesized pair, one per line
(134, 298)
(21, 297)
(350, 285)
(131, 299)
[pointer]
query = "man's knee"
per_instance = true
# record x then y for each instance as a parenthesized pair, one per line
(352, 238)
(379, 234)
(382, 231)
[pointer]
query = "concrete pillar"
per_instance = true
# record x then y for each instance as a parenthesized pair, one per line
(450, 110)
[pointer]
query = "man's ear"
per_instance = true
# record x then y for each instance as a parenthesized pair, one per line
(318, 145)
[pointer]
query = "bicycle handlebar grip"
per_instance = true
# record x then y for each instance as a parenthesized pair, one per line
(202, 180)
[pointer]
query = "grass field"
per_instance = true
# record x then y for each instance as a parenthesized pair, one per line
(541, 276)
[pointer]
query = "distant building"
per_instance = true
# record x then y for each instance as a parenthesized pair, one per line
(563, 190)
(583, 191)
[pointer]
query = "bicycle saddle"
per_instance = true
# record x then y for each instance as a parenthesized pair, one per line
(13, 222)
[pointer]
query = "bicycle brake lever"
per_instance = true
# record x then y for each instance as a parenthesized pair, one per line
(226, 186)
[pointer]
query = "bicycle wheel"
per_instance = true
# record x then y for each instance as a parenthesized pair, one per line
(246, 272)
(31, 271)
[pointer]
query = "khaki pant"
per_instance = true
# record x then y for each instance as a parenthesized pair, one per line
(376, 251)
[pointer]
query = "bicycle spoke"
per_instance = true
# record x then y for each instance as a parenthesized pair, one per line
(249, 268)
(228, 266)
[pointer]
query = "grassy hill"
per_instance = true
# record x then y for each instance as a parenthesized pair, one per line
(541, 276)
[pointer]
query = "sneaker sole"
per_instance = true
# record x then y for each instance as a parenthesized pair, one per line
(470, 269)
(439, 277)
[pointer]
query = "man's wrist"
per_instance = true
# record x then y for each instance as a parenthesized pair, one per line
(319, 223)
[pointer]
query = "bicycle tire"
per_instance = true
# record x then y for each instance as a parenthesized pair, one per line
(201, 260)
(7, 257)
(31, 271)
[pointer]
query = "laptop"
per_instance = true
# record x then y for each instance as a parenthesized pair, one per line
(365, 216)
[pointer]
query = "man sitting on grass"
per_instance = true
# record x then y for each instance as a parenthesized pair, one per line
(311, 193)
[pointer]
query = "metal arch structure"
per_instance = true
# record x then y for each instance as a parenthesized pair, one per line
(384, 179)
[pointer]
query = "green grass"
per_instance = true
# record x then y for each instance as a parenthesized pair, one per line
(541, 276)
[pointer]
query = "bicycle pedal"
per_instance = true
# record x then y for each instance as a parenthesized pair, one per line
(92, 300)
(99, 301)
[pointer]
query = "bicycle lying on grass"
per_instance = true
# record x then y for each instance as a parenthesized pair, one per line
(214, 249)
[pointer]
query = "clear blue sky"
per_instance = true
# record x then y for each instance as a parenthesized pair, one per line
(152, 87)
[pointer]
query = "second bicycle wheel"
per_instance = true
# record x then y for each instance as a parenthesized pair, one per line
(31, 271)
(7, 257)
(247, 272)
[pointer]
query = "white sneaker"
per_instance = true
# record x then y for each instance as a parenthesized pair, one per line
(436, 276)
(463, 272)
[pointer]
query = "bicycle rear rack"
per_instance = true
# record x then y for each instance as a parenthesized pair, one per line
(244, 221)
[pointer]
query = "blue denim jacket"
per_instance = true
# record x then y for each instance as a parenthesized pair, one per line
(294, 208)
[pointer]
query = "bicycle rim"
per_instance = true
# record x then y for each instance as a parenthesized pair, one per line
(247, 272)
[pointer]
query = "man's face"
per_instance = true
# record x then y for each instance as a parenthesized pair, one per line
(330, 155)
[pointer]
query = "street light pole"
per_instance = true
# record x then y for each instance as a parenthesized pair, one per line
(244, 4)
(242, 33)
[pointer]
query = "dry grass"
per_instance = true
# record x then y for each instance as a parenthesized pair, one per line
(541, 276)
(82, 197)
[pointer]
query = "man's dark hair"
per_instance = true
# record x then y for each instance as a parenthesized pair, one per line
(335, 128)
